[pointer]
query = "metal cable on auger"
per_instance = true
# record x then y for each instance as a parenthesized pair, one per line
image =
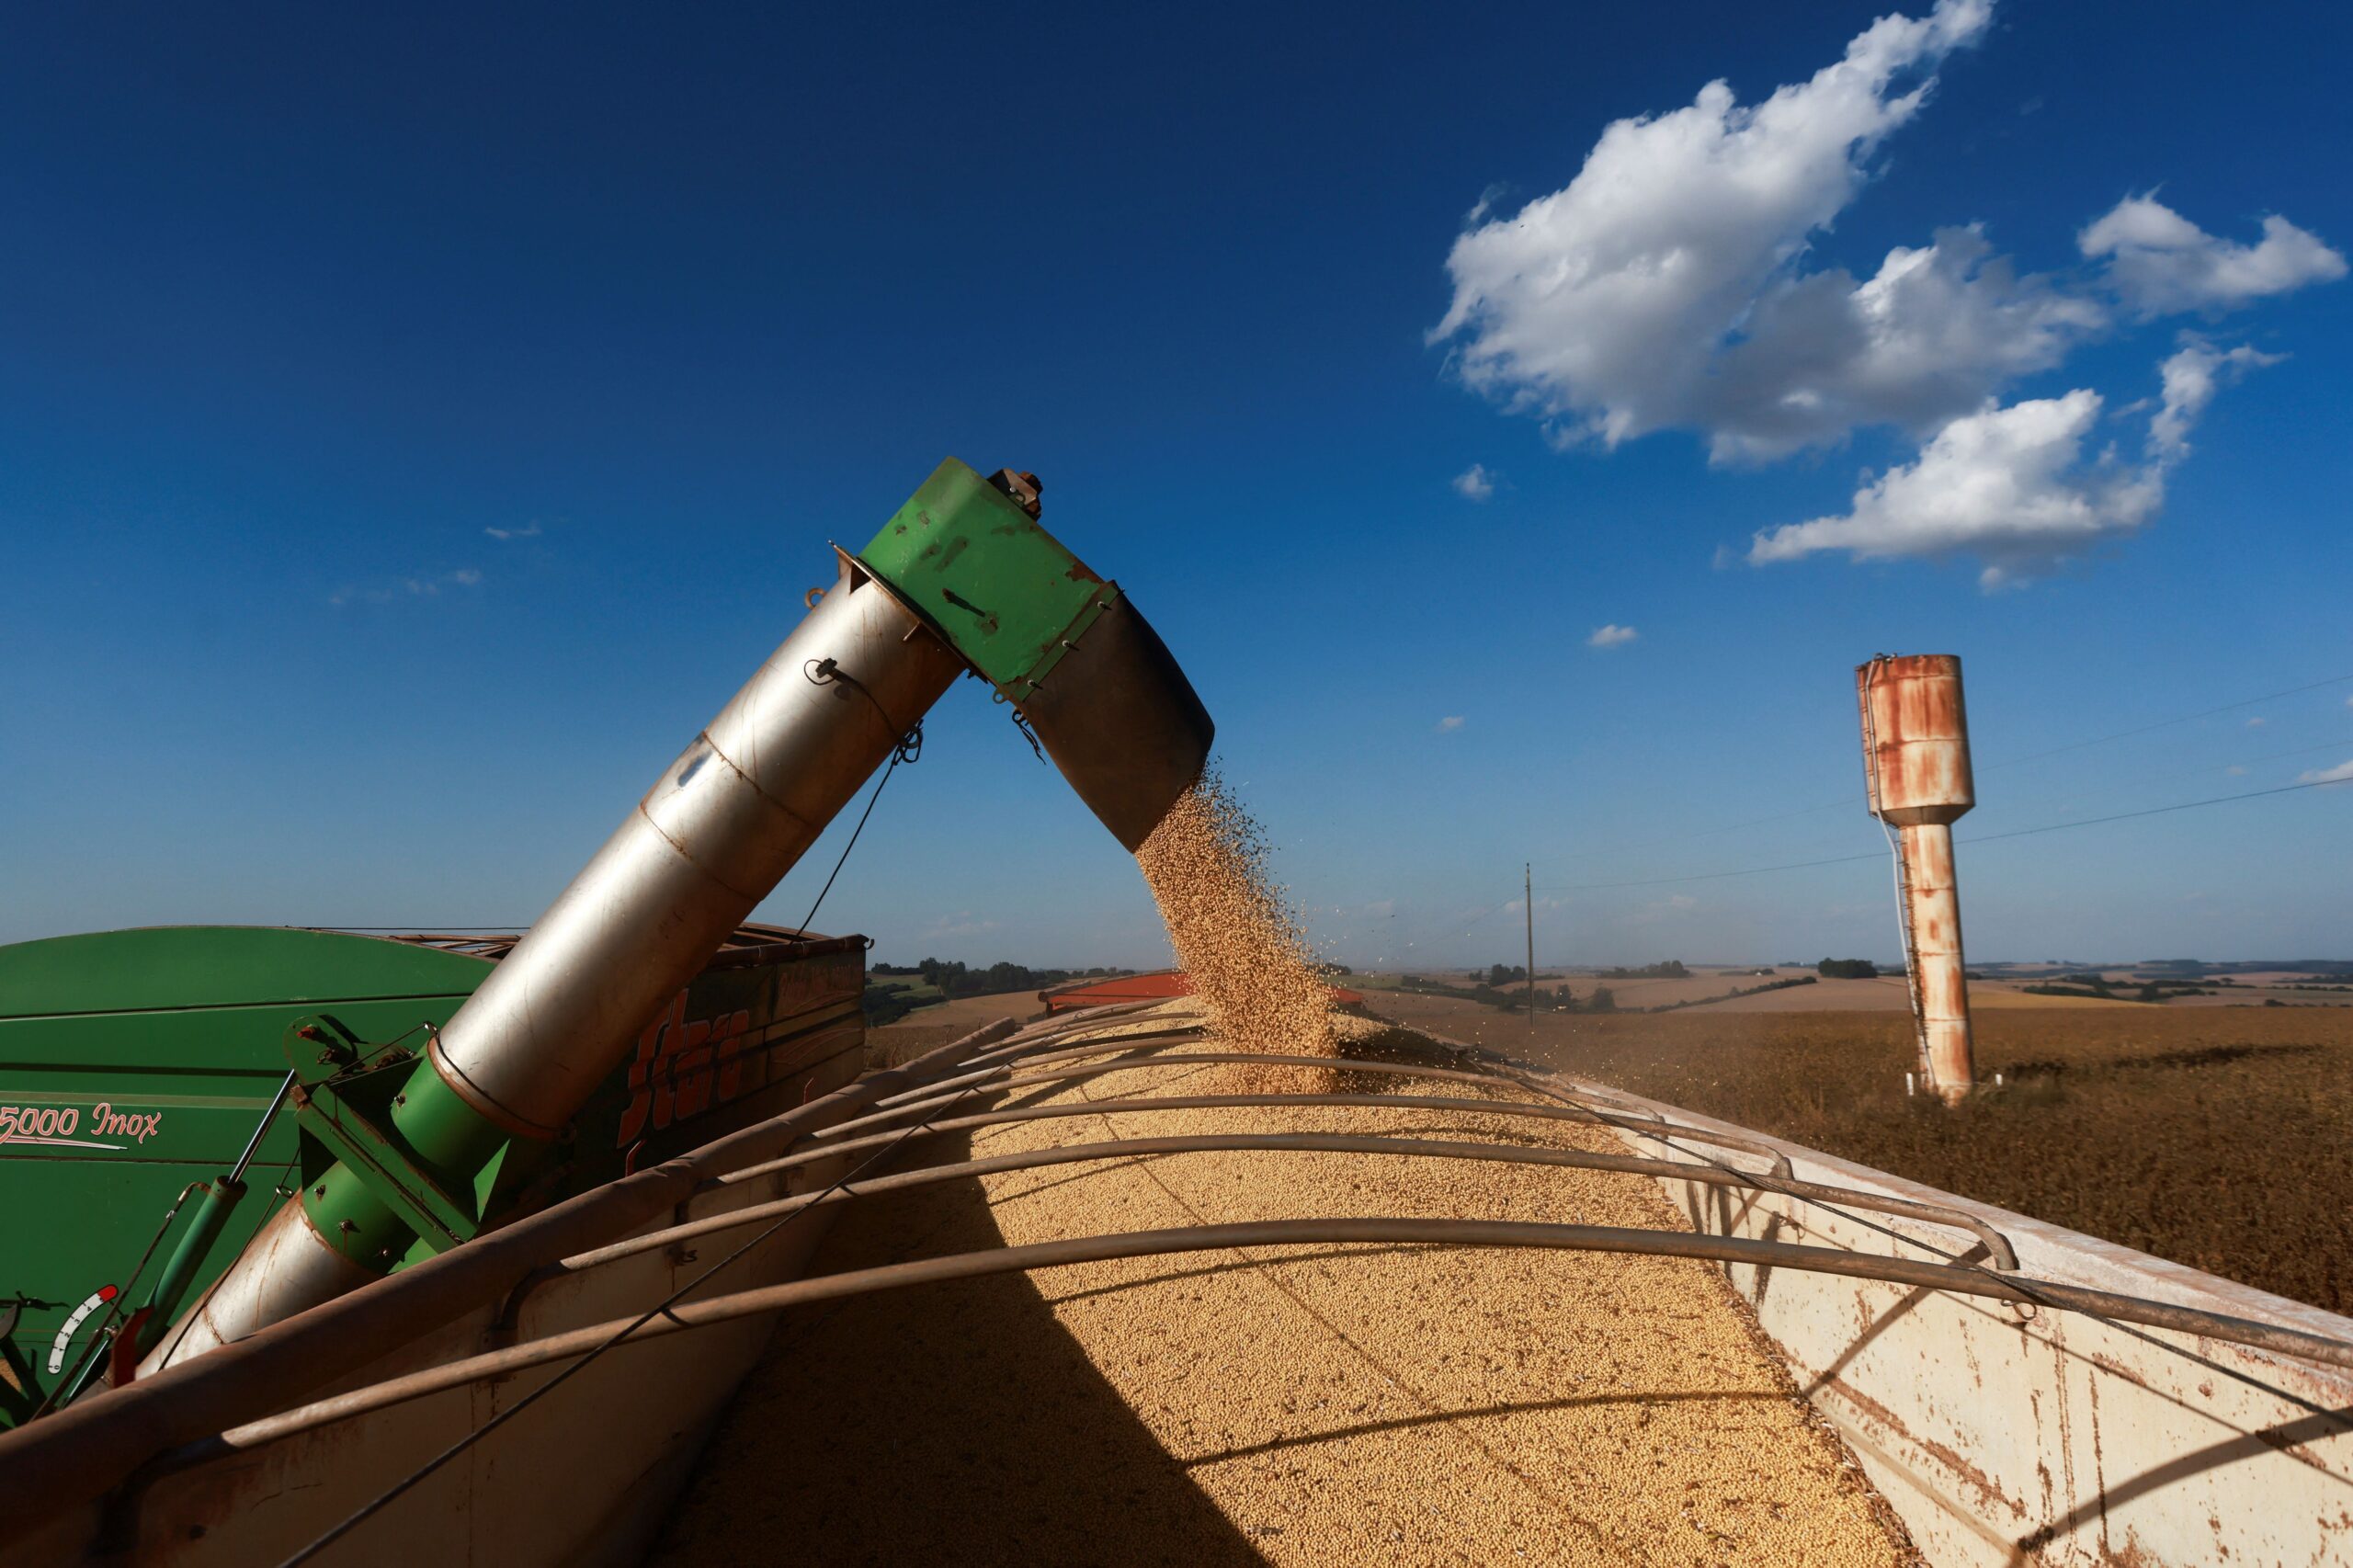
(822, 672)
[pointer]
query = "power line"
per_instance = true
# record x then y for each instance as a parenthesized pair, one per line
(1849, 802)
(1981, 838)
(1709, 876)
(2167, 723)
(2154, 810)
(2206, 769)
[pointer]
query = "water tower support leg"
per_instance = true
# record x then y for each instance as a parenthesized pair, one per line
(1942, 987)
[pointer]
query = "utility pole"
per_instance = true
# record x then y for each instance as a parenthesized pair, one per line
(1528, 906)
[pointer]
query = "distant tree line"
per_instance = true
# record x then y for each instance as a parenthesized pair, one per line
(1847, 968)
(1666, 969)
(1561, 998)
(1728, 995)
(1510, 993)
(2099, 987)
(1515, 974)
(955, 978)
(892, 991)
(2336, 968)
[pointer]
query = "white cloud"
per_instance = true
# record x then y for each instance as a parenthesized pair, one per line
(1660, 909)
(2341, 773)
(408, 587)
(529, 530)
(2006, 485)
(1661, 287)
(1667, 286)
(2255, 723)
(2012, 486)
(1927, 339)
(2160, 262)
(2236, 771)
(1475, 483)
(1451, 723)
(1611, 636)
(2191, 378)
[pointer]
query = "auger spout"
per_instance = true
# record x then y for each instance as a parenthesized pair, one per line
(1069, 650)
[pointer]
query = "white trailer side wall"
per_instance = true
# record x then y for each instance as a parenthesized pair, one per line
(2004, 1434)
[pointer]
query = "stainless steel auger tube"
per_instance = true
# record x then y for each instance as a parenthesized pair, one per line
(714, 835)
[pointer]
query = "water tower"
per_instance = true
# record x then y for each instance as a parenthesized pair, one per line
(1915, 764)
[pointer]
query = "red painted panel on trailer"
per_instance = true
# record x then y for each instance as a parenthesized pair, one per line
(1155, 987)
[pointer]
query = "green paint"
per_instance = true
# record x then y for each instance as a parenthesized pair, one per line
(392, 1155)
(1001, 589)
(185, 968)
(205, 1071)
(182, 1025)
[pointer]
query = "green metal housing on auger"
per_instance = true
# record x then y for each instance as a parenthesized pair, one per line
(976, 565)
(1068, 649)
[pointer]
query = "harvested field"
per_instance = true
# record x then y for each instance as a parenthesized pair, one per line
(934, 1026)
(1712, 993)
(1699, 987)
(1889, 995)
(1314, 1405)
(2218, 1138)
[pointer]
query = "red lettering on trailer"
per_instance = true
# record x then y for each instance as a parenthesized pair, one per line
(678, 1064)
(53, 1126)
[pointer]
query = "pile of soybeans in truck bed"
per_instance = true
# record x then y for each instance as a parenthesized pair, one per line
(1337, 1404)
(1303, 1404)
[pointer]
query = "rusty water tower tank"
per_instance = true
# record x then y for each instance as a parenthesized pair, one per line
(1915, 766)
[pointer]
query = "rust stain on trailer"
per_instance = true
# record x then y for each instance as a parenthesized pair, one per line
(1989, 1491)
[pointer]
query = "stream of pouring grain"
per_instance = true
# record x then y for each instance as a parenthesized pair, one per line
(1247, 960)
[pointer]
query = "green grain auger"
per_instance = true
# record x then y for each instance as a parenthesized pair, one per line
(409, 1151)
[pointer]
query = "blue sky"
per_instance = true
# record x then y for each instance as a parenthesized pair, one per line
(413, 428)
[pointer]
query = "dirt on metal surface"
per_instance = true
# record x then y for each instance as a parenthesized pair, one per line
(1312, 1404)
(1207, 864)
